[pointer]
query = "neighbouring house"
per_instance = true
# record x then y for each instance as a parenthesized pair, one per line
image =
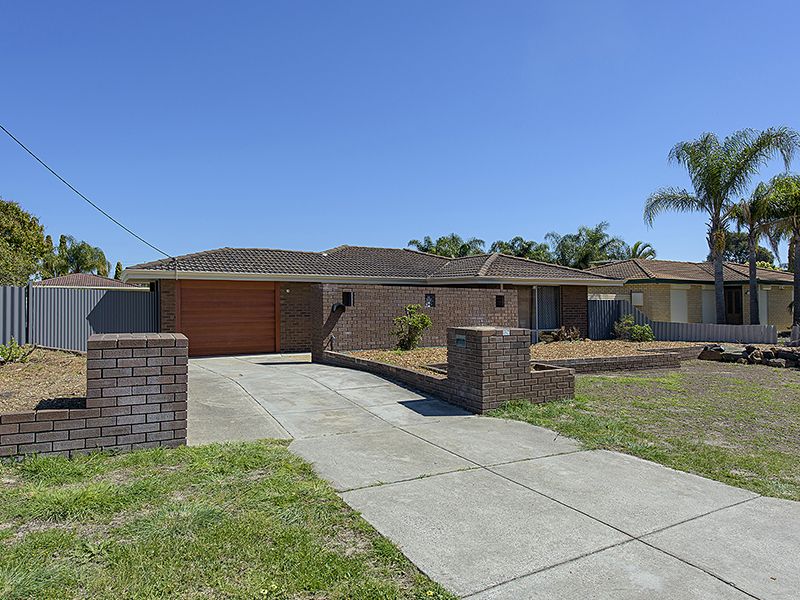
(683, 292)
(251, 300)
(86, 280)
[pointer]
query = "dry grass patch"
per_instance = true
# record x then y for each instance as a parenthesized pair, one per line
(48, 379)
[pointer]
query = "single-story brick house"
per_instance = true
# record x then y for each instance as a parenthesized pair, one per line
(251, 300)
(86, 280)
(683, 292)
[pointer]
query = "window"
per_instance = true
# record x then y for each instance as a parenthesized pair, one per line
(430, 300)
(347, 298)
(499, 301)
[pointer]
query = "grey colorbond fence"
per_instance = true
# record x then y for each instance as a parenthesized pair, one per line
(604, 313)
(65, 317)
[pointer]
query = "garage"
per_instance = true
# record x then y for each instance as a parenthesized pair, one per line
(229, 317)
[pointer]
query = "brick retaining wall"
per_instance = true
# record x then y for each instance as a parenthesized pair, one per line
(663, 360)
(136, 398)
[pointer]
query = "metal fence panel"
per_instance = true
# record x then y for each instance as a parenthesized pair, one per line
(604, 313)
(12, 314)
(66, 317)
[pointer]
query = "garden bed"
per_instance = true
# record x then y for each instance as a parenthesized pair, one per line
(422, 358)
(48, 379)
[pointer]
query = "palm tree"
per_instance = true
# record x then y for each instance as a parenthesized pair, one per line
(75, 256)
(452, 246)
(589, 245)
(785, 196)
(519, 246)
(642, 250)
(754, 216)
(719, 171)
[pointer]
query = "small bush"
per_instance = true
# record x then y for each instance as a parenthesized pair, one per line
(564, 334)
(626, 329)
(13, 352)
(408, 328)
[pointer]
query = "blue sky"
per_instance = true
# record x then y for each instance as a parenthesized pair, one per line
(311, 124)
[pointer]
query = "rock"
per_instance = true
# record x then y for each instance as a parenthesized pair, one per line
(767, 354)
(750, 348)
(711, 353)
(755, 356)
(741, 361)
(729, 356)
(792, 355)
(775, 362)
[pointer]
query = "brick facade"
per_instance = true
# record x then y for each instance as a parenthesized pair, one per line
(295, 317)
(575, 308)
(136, 398)
(487, 366)
(368, 323)
(167, 299)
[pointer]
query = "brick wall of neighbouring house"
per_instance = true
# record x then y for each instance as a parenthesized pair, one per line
(295, 317)
(136, 398)
(167, 298)
(368, 323)
(575, 307)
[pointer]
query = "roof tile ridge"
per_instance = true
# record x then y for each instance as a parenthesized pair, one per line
(556, 266)
(638, 262)
(488, 263)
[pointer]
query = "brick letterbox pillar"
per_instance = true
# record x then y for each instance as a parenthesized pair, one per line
(487, 366)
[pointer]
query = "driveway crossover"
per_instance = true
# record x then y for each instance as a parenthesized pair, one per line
(500, 509)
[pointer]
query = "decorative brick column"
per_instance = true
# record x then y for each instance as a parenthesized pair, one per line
(139, 383)
(487, 366)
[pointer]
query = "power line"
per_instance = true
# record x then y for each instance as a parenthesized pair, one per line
(70, 186)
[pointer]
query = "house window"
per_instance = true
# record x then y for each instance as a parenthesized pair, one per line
(430, 300)
(499, 301)
(347, 298)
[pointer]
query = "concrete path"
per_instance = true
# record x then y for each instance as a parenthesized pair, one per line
(496, 509)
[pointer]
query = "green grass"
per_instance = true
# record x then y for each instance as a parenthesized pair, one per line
(739, 424)
(221, 521)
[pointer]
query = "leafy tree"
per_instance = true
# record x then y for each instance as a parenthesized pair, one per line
(23, 245)
(452, 246)
(409, 327)
(719, 171)
(589, 245)
(75, 256)
(785, 195)
(519, 246)
(641, 250)
(118, 271)
(736, 249)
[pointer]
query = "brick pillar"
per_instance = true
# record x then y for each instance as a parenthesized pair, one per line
(139, 383)
(575, 307)
(487, 366)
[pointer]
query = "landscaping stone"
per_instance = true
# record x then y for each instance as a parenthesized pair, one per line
(711, 353)
(750, 354)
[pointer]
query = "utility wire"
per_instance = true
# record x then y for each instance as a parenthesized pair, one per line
(70, 186)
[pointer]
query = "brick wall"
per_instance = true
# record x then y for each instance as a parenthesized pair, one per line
(167, 298)
(575, 308)
(136, 398)
(295, 317)
(486, 367)
(368, 323)
(655, 360)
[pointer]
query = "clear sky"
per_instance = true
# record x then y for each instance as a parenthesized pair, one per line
(307, 125)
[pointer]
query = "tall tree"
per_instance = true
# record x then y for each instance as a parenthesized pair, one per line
(589, 245)
(736, 248)
(754, 216)
(642, 250)
(785, 196)
(452, 246)
(519, 246)
(23, 245)
(118, 270)
(75, 256)
(719, 171)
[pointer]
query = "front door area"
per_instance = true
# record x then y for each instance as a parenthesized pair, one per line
(733, 306)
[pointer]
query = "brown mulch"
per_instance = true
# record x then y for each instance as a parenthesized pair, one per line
(49, 379)
(419, 358)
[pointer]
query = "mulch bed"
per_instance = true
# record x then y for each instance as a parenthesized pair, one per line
(49, 379)
(421, 357)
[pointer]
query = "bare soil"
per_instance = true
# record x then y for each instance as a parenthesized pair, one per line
(421, 357)
(49, 379)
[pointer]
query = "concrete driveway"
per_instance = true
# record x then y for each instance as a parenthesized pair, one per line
(500, 509)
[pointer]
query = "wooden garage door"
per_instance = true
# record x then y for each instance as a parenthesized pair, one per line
(229, 317)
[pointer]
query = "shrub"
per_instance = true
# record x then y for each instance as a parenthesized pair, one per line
(564, 334)
(626, 329)
(408, 328)
(13, 352)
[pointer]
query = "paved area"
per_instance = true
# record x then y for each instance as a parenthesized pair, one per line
(496, 509)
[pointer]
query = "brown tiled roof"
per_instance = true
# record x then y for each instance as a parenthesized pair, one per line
(672, 270)
(361, 261)
(83, 280)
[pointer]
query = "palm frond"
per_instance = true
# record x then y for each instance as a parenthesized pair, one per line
(670, 199)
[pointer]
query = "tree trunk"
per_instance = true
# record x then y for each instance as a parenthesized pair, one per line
(751, 248)
(795, 260)
(716, 245)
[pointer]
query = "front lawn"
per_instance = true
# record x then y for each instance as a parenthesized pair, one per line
(739, 424)
(222, 521)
